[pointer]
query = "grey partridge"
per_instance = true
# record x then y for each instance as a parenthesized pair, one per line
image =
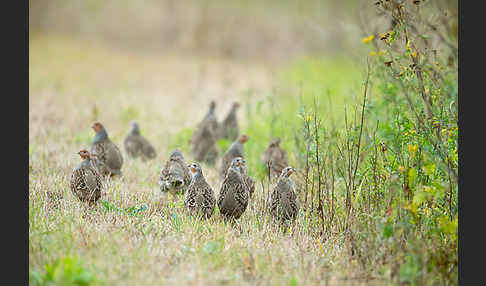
(283, 201)
(199, 199)
(235, 150)
(250, 183)
(228, 128)
(138, 146)
(203, 145)
(175, 176)
(210, 118)
(234, 194)
(275, 158)
(86, 183)
(109, 158)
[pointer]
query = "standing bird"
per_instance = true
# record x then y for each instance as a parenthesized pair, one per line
(136, 145)
(233, 195)
(85, 181)
(275, 158)
(203, 145)
(210, 118)
(283, 202)
(229, 126)
(109, 158)
(175, 176)
(199, 199)
(203, 141)
(236, 150)
(250, 183)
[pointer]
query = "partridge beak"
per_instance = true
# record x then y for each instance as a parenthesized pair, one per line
(291, 171)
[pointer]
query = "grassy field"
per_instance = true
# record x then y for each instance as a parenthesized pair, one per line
(158, 245)
(372, 130)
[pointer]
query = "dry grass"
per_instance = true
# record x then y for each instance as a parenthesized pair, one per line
(161, 245)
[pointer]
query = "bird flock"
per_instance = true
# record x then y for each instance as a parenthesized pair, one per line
(104, 160)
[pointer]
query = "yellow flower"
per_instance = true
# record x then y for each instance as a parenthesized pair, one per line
(413, 131)
(368, 39)
(372, 54)
(382, 52)
(412, 148)
(414, 54)
(390, 32)
(308, 118)
(411, 207)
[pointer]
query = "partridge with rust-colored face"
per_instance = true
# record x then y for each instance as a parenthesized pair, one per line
(109, 158)
(284, 205)
(199, 199)
(234, 193)
(86, 183)
(275, 158)
(235, 150)
(175, 176)
(138, 146)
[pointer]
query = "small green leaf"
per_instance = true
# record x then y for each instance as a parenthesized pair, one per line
(419, 197)
(429, 169)
(388, 230)
(412, 176)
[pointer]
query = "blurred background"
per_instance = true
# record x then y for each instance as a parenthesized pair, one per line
(263, 30)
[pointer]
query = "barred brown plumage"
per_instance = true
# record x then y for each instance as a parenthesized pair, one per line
(203, 145)
(283, 202)
(86, 183)
(175, 176)
(138, 146)
(199, 199)
(250, 183)
(203, 141)
(234, 193)
(109, 158)
(229, 127)
(235, 150)
(275, 158)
